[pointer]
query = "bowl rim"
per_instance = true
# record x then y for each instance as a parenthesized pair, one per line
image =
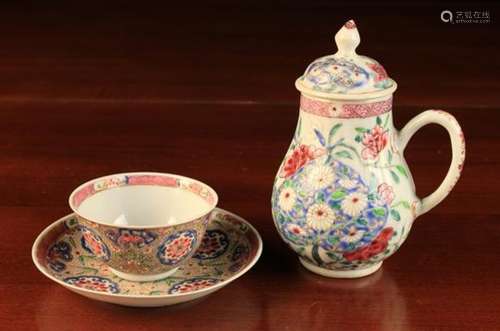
(241, 272)
(146, 173)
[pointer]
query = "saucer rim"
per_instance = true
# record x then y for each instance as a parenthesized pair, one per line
(210, 289)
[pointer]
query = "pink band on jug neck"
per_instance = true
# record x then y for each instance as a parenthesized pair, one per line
(344, 110)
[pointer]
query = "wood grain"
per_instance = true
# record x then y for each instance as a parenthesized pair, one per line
(207, 91)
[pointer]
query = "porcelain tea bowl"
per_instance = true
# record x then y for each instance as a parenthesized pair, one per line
(143, 225)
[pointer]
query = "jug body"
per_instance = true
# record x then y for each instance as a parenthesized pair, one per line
(343, 197)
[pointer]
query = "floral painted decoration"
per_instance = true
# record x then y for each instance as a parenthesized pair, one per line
(377, 246)
(325, 204)
(192, 284)
(176, 247)
(58, 254)
(214, 244)
(299, 157)
(93, 244)
(130, 237)
(239, 257)
(237, 247)
(374, 141)
(94, 283)
(337, 212)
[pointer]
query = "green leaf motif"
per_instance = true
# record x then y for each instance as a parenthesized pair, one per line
(361, 130)
(344, 153)
(403, 203)
(386, 121)
(379, 120)
(362, 221)
(358, 138)
(402, 170)
(299, 127)
(335, 205)
(338, 195)
(379, 211)
(332, 256)
(315, 254)
(389, 156)
(395, 214)
(395, 177)
(333, 130)
(333, 240)
(72, 242)
(406, 204)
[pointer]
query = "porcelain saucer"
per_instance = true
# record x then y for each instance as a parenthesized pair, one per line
(230, 247)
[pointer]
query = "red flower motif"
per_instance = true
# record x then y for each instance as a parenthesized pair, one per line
(126, 239)
(93, 243)
(179, 247)
(381, 74)
(374, 141)
(386, 192)
(299, 157)
(386, 234)
(375, 247)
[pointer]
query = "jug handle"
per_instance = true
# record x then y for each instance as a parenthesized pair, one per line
(449, 122)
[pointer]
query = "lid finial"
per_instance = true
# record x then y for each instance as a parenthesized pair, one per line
(347, 39)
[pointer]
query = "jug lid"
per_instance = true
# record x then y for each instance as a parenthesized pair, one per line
(346, 75)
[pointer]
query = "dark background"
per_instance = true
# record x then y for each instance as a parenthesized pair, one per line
(205, 89)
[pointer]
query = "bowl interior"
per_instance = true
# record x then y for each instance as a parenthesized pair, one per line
(142, 202)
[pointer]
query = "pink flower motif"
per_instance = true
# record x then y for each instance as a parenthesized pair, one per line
(380, 72)
(374, 141)
(386, 192)
(296, 230)
(299, 157)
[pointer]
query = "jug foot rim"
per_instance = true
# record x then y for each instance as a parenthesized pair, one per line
(340, 273)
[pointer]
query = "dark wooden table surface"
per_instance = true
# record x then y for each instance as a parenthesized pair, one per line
(206, 90)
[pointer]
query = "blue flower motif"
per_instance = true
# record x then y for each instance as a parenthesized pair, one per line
(176, 247)
(57, 252)
(93, 283)
(352, 224)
